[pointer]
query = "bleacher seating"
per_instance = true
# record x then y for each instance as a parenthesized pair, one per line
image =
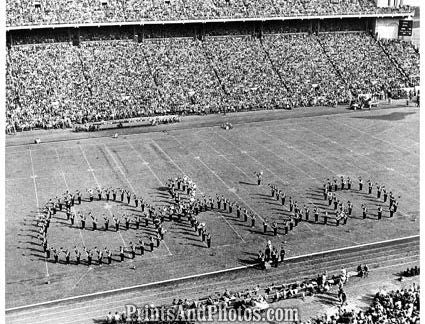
(51, 12)
(55, 85)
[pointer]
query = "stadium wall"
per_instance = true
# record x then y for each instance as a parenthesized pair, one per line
(199, 30)
(386, 28)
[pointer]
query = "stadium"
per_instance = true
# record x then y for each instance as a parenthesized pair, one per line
(219, 155)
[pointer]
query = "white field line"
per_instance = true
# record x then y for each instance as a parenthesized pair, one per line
(98, 185)
(242, 171)
(221, 180)
(340, 145)
(156, 177)
(172, 161)
(296, 118)
(379, 139)
(81, 278)
(37, 201)
(67, 188)
(145, 163)
(310, 158)
(168, 281)
(102, 312)
(355, 166)
(367, 157)
(278, 177)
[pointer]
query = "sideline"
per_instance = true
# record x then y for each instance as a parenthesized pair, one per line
(124, 289)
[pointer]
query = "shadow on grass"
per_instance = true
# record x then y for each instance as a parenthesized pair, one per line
(247, 183)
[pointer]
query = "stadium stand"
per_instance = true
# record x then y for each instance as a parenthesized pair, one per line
(405, 56)
(57, 85)
(52, 12)
(401, 306)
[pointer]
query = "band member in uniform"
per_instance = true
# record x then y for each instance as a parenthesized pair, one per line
(79, 197)
(94, 221)
(307, 213)
(370, 186)
(108, 253)
(117, 223)
(360, 184)
(208, 237)
(77, 255)
(364, 208)
(252, 220)
(99, 255)
(55, 255)
(142, 247)
(316, 214)
(106, 222)
(330, 198)
(89, 256)
(265, 225)
(259, 177)
(83, 221)
(67, 255)
(132, 250)
(274, 226)
(379, 212)
(121, 253)
(151, 242)
(392, 211)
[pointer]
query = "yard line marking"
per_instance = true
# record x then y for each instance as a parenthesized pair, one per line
(99, 186)
(67, 188)
(362, 155)
(145, 162)
(82, 239)
(90, 168)
(379, 139)
(230, 225)
(276, 176)
(119, 168)
(314, 160)
(221, 179)
(357, 166)
(38, 202)
(155, 175)
(168, 156)
(179, 279)
(102, 312)
(224, 157)
(79, 280)
(132, 188)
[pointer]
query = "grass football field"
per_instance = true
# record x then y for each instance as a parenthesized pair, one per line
(296, 154)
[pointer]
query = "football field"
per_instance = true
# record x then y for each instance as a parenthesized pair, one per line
(296, 154)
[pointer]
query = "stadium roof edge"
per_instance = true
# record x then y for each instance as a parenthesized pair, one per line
(204, 21)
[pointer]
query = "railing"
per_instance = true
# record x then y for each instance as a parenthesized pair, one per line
(204, 21)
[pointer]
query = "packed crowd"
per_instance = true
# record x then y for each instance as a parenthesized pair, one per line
(305, 70)
(47, 12)
(361, 62)
(245, 72)
(401, 306)
(406, 57)
(56, 85)
(255, 296)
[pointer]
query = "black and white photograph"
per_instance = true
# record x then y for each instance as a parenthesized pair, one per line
(211, 161)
